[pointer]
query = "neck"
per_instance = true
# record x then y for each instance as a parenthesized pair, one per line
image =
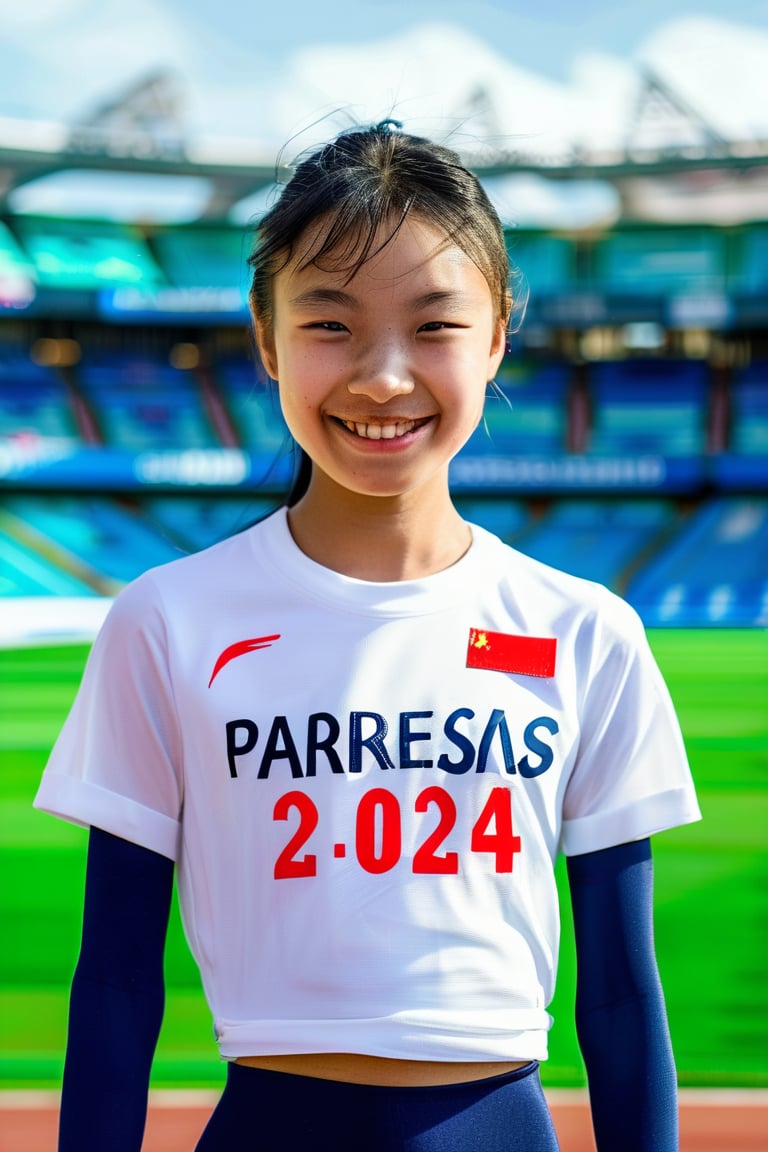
(379, 538)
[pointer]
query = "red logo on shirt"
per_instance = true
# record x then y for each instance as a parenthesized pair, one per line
(240, 649)
(521, 655)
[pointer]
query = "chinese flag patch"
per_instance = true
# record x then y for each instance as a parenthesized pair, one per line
(500, 652)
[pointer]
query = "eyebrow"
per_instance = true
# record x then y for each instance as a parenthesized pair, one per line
(442, 298)
(322, 297)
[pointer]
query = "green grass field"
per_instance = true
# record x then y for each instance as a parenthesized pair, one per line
(711, 882)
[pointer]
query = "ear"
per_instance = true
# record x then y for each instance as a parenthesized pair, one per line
(265, 342)
(498, 347)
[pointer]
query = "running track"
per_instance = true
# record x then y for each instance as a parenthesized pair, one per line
(710, 1121)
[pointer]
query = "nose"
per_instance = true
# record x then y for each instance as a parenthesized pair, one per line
(382, 374)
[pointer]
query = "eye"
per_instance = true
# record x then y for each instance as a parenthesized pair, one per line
(327, 326)
(437, 326)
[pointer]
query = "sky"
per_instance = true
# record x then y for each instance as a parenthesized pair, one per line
(541, 76)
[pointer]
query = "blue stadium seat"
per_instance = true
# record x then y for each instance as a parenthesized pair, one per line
(713, 572)
(661, 261)
(527, 415)
(644, 407)
(23, 572)
(110, 542)
(545, 263)
(596, 539)
(143, 402)
(501, 515)
(204, 257)
(749, 410)
(197, 522)
(751, 273)
(33, 399)
(253, 405)
(86, 254)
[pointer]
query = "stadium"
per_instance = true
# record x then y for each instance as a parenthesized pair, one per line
(626, 442)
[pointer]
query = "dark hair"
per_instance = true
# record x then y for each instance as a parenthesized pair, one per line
(364, 179)
(359, 182)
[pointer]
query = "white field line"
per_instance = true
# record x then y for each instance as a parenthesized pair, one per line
(27, 621)
(38, 1101)
(690, 1097)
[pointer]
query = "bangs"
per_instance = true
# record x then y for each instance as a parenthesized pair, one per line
(352, 234)
(346, 203)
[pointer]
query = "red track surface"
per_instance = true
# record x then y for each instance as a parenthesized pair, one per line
(709, 1122)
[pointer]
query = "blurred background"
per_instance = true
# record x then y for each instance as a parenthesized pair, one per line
(627, 153)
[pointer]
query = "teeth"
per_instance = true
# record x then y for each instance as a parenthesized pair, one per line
(381, 431)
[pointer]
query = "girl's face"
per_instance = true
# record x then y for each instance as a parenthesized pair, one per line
(382, 377)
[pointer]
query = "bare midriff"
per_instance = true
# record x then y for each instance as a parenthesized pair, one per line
(351, 1068)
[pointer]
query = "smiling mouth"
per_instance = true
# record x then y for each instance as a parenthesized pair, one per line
(382, 431)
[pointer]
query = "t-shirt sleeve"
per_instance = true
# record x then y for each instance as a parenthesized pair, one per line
(116, 763)
(631, 777)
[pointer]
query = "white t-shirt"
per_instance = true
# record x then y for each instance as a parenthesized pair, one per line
(365, 785)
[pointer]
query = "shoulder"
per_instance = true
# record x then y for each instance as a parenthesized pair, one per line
(187, 588)
(570, 602)
(225, 560)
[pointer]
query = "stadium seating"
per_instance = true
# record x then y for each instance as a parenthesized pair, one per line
(505, 517)
(34, 401)
(79, 254)
(141, 402)
(541, 263)
(641, 406)
(253, 406)
(526, 413)
(651, 261)
(24, 572)
(196, 522)
(750, 275)
(553, 428)
(713, 572)
(104, 543)
(749, 410)
(203, 257)
(597, 539)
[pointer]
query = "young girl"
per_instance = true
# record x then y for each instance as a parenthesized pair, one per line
(363, 729)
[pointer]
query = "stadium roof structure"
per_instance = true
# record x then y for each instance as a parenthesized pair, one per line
(141, 133)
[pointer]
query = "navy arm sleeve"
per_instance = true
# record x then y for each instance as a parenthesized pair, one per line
(117, 997)
(621, 1017)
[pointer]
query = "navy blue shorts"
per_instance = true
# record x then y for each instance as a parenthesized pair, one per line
(261, 1111)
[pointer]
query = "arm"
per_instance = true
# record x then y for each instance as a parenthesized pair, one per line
(116, 1003)
(621, 1019)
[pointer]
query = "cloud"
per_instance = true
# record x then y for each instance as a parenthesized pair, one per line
(74, 54)
(68, 56)
(719, 67)
(116, 196)
(35, 17)
(446, 82)
(605, 90)
(532, 201)
(437, 78)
